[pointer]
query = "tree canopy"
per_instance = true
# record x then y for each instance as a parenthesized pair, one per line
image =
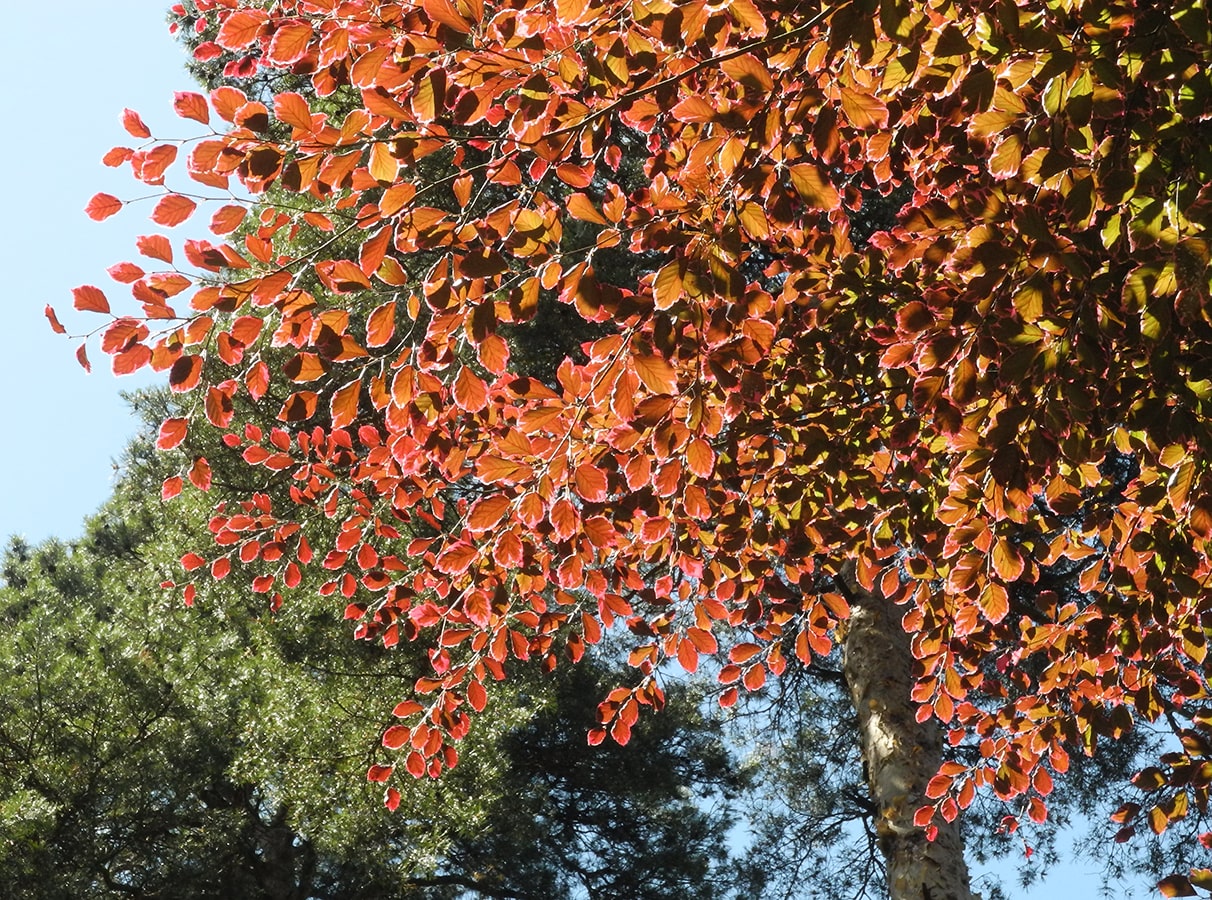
(902, 346)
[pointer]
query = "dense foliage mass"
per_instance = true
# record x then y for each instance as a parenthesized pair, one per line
(899, 303)
(150, 750)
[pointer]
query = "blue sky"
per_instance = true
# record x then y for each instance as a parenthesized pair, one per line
(69, 68)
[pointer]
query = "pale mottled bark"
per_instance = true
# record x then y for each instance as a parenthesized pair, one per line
(901, 754)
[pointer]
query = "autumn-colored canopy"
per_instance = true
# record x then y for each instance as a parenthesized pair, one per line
(993, 407)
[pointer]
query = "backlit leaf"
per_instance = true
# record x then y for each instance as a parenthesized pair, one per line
(102, 206)
(173, 209)
(172, 433)
(90, 299)
(190, 105)
(241, 28)
(134, 124)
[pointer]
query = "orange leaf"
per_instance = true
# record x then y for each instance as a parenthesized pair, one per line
(90, 299)
(700, 458)
(470, 392)
(241, 28)
(744, 652)
(289, 43)
(656, 373)
(863, 111)
(486, 514)
(382, 165)
(1007, 560)
(373, 251)
(102, 206)
(227, 219)
(125, 272)
(54, 321)
(667, 285)
(581, 207)
(812, 183)
(381, 325)
(495, 469)
(134, 125)
(457, 558)
(189, 105)
(494, 354)
(590, 482)
(748, 71)
(292, 109)
(173, 209)
(344, 404)
(444, 12)
(304, 367)
(155, 246)
(299, 407)
(117, 156)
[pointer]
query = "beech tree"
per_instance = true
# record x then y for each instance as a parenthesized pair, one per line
(963, 450)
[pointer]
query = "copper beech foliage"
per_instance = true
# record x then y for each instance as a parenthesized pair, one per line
(940, 405)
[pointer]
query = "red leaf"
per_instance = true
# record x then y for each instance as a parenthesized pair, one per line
(54, 321)
(172, 433)
(134, 125)
(90, 299)
(477, 696)
(189, 105)
(199, 474)
(378, 773)
(173, 209)
(82, 358)
(391, 799)
(396, 737)
(102, 206)
(171, 487)
(457, 558)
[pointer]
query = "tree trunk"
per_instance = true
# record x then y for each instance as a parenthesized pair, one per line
(901, 754)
